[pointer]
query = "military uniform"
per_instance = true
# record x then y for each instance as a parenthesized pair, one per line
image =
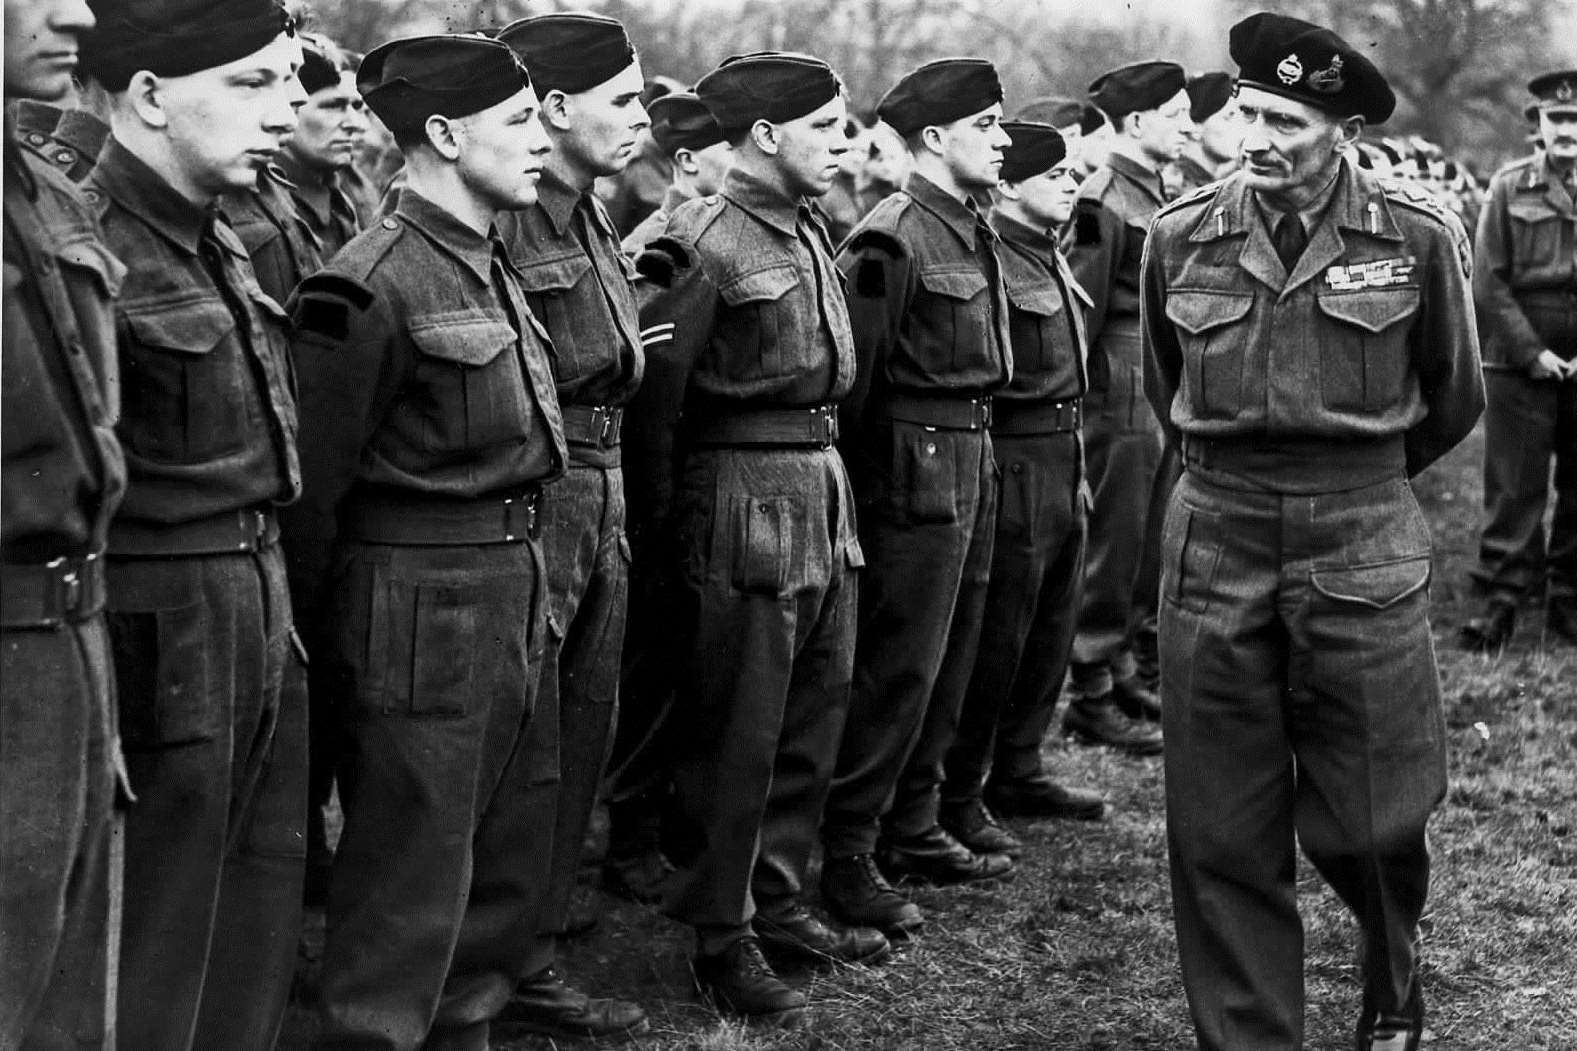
(323, 202)
(1302, 700)
(1525, 295)
(1038, 563)
(63, 473)
(651, 228)
(68, 140)
(211, 680)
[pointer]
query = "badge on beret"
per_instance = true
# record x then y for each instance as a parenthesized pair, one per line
(1563, 93)
(1328, 81)
(1290, 71)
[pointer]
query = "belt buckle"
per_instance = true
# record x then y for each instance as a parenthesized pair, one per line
(68, 586)
(827, 417)
(531, 501)
(982, 414)
(611, 418)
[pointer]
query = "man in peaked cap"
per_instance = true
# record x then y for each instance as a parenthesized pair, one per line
(209, 671)
(739, 483)
(683, 128)
(931, 333)
(1148, 106)
(1308, 341)
(430, 425)
(64, 473)
(567, 254)
(1037, 566)
(1525, 294)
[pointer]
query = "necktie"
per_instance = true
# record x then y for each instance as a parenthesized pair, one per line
(1290, 240)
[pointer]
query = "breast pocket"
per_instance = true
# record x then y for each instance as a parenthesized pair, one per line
(1537, 231)
(1035, 307)
(184, 381)
(759, 328)
(552, 288)
(469, 394)
(1212, 331)
(953, 307)
(1363, 346)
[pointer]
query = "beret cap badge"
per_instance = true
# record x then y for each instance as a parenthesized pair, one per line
(1290, 70)
(1563, 93)
(1328, 80)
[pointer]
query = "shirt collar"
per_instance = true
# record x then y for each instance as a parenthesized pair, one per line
(764, 201)
(300, 174)
(1309, 215)
(1133, 171)
(557, 199)
(959, 217)
(149, 196)
(1356, 203)
(446, 231)
(1014, 231)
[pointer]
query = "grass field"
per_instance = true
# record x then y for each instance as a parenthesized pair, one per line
(1078, 952)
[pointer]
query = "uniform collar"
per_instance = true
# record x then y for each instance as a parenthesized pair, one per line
(15, 166)
(83, 132)
(1554, 185)
(149, 196)
(763, 201)
(1136, 173)
(959, 217)
(300, 174)
(1014, 232)
(673, 198)
(446, 231)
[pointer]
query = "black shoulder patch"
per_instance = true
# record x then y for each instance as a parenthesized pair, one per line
(662, 259)
(349, 289)
(325, 317)
(1086, 226)
(880, 240)
(870, 280)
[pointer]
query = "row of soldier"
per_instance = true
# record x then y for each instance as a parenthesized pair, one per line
(475, 382)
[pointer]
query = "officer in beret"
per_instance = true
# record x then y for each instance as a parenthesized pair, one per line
(1525, 293)
(566, 251)
(929, 312)
(1037, 567)
(739, 485)
(1148, 106)
(1308, 340)
(210, 672)
(683, 128)
(64, 474)
(1212, 148)
(430, 425)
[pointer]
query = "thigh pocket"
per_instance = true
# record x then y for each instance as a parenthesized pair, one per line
(1379, 586)
(443, 647)
(1191, 551)
(162, 665)
(763, 544)
(925, 478)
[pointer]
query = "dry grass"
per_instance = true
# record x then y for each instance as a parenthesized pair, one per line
(1078, 951)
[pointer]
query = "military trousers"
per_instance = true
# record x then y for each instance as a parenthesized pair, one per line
(587, 560)
(436, 882)
(60, 872)
(927, 525)
(213, 717)
(1037, 571)
(1123, 452)
(1526, 423)
(1302, 706)
(767, 605)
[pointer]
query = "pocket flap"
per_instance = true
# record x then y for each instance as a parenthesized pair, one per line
(953, 282)
(195, 326)
(465, 337)
(87, 253)
(1042, 297)
(1531, 211)
(1200, 310)
(553, 275)
(1373, 310)
(1379, 586)
(760, 285)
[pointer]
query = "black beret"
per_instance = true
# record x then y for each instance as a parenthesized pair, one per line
(1036, 149)
(320, 64)
(1207, 95)
(175, 38)
(1301, 61)
(1136, 87)
(774, 86)
(1061, 112)
(1556, 90)
(681, 121)
(406, 81)
(940, 92)
(570, 51)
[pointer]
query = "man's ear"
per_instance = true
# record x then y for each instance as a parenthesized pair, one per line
(931, 139)
(558, 112)
(1348, 131)
(765, 135)
(1008, 190)
(443, 135)
(145, 96)
(684, 160)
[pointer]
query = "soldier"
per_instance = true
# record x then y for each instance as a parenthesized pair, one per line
(209, 669)
(1212, 148)
(684, 129)
(1525, 291)
(1072, 118)
(929, 313)
(330, 130)
(751, 352)
(1308, 339)
(430, 425)
(886, 166)
(1148, 108)
(566, 251)
(64, 474)
(1037, 566)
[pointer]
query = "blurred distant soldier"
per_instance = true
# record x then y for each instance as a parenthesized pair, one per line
(331, 128)
(1148, 107)
(1309, 342)
(1212, 148)
(566, 251)
(64, 474)
(886, 167)
(930, 318)
(683, 127)
(429, 426)
(1096, 143)
(1073, 119)
(840, 207)
(209, 668)
(1037, 567)
(751, 353)
(1525, 292)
